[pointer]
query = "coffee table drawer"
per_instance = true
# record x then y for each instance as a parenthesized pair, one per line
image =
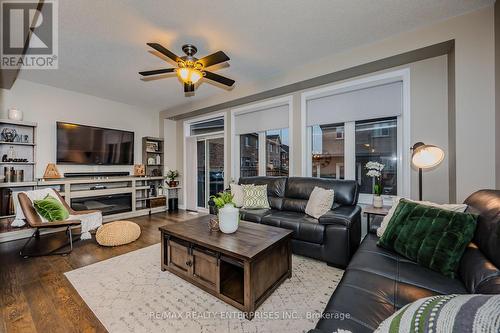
(179, 258)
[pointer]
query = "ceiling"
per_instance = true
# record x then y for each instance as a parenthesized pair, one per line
(102, 44)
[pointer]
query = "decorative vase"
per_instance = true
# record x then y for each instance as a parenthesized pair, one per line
(378, 202)
(15, 114)
(228, 218)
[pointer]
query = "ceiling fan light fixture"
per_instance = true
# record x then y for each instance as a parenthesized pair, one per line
(189, 75)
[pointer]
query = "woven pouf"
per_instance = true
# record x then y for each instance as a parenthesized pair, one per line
(117, 233)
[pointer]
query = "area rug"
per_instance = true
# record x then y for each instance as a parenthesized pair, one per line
(130, 293)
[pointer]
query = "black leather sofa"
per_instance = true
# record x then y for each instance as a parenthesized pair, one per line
(378, 282)
(333, 238)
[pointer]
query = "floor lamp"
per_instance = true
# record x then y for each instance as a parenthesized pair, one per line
(425, 157)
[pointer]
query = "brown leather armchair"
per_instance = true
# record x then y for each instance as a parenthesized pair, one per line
(34, 220)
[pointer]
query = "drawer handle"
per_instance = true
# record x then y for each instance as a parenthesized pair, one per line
(189, 263)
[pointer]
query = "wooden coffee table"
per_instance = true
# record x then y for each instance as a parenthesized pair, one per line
(242, 268)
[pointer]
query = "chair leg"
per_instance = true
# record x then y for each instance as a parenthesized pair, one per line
(55, 251)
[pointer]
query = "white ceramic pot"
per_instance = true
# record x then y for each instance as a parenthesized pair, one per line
(15, 114)
(228, 218)
(378, 202)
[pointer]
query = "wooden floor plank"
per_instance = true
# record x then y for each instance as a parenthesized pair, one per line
(35, 296)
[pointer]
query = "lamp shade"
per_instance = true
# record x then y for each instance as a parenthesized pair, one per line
(426, 156)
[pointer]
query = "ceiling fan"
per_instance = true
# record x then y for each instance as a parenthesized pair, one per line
(191, 69)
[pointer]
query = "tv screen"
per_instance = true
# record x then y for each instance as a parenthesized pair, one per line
(80, 144)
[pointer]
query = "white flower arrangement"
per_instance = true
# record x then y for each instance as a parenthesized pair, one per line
(375, 171)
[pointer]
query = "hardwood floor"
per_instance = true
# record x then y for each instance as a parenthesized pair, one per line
(35, 296)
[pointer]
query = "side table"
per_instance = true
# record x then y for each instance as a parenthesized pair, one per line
(369, 210)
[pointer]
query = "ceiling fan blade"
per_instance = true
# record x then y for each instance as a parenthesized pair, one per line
(213, 59)
(164, 51)
(218, 78)
(157, 71)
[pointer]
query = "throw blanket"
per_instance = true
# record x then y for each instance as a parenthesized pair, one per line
(90, 221)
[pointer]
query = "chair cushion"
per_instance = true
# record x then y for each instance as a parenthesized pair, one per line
(305, 228)
(118, 233)
(434, 237)
(51, 209)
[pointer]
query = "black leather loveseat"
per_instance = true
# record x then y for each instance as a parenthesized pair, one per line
(333, 238)
(378, 282)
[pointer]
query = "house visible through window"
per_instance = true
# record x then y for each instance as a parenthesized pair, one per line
(278, 153)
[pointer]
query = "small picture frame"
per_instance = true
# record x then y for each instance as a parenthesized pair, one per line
(152, 146)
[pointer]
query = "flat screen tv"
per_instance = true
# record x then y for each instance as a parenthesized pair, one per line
(80, 144)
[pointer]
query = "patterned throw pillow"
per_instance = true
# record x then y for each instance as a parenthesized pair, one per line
(446, 314)
(320, 202)
(255, 197)
(433, 237)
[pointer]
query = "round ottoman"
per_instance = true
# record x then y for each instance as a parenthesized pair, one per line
(117, 233)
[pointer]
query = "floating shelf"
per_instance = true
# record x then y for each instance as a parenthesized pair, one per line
(18, 163)
(16, 143)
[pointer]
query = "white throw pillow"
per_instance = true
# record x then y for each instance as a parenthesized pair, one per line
(320, 202)
(255, 197)
(238, 195)
(395, 201)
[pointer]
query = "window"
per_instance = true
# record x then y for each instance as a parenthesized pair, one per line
(249, 155)
(207, 126)
(277, 154)
(377, 141)
(328, 151)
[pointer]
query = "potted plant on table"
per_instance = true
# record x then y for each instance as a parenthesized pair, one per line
(228, 215)
(172, 176)
(375, 172)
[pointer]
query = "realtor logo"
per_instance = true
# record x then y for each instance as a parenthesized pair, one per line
(24, 21)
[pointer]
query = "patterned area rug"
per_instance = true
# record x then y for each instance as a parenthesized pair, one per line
(130, 293)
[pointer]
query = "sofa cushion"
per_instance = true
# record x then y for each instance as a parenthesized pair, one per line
(305, 228)
(254, 215)
(346, 191)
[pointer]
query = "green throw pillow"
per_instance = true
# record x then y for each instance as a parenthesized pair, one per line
(433, 237)
(255, 197)
(51, 209)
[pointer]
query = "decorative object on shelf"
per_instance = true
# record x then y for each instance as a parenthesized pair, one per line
(228, 214)
(213, 224)
(172, 176)
(151, 161)
(160, 190)
(51, 172)
(152, 146)
(8, 134)
(139, 170)
(425, 157)
(156, 173)
(15, 114)
(18, 176)
(11, 154)
(9, 174)
(158, 159)
(375, 172)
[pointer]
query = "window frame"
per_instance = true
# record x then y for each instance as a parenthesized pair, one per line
(235, 138)
(403, 131)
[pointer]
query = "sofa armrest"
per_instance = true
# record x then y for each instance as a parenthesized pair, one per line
(342, 215)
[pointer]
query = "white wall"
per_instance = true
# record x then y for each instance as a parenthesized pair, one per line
(474, 89)
(46, 105)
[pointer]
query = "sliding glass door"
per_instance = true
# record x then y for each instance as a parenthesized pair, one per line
(210, 168)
